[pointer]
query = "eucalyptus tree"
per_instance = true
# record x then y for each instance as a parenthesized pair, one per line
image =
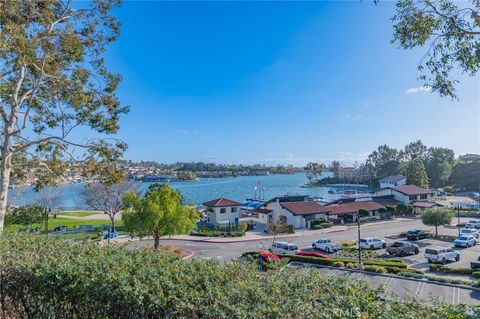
(449, 30)
(53, 81)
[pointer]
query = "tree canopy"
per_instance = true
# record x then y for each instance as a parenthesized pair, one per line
(53, 81)
(436, 217)
(416, 173)
(449, 31)
(159, 213)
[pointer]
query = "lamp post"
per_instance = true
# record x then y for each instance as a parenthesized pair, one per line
(360, 264)
(458, 220)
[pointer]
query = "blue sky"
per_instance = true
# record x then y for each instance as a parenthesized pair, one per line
(276, 82)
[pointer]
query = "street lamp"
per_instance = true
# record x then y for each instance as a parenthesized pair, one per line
(458, 220)
(360, 263)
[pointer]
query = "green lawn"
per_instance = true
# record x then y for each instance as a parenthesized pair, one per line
(70, 222)
(79, 213)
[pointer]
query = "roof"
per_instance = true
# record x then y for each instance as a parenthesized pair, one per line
(387, 201)
(221, 202)
(424, 204)
(262, 211)
(305, 208)
(392, 179)
(411, 190)
(354, 207)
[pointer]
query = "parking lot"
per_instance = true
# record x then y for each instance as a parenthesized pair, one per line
(225, 252)
(402, 287)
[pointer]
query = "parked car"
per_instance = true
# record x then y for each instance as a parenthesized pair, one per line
(402, 248)
(473, 224)
(326, 245)
(372, 243)
(470, 231)
(441, 254)
(312, 253)
(417, 234)
(282, 247)
(465, 241)
(475, 264)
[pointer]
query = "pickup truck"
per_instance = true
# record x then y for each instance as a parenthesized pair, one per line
(402, 248)
(416, 234)
(475, 264)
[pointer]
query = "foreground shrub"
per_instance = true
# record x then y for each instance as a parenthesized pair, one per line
(52, 279)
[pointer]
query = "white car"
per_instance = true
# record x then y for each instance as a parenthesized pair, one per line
(465, 241)
(469, 231)
(473, 224)
(372, 243)
(326, 245)
(282, 247)
(441, 254)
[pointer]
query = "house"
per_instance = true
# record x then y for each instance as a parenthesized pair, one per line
(293, 210)
(390, 181)
(222, 212)
(406, 193)
(348, 211)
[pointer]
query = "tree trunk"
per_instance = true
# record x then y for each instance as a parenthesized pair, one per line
(112, 219)
(156, 242)
(436, 231)
(5, 170)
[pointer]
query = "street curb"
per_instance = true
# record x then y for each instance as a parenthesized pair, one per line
(392, 276)
(190, 255)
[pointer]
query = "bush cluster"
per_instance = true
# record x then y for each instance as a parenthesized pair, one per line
(446, 269)
(43, 278)
(438, 279)
(320, 224)
(376, 269)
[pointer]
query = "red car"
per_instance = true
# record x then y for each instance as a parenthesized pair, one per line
(269, 257)
(312, 253)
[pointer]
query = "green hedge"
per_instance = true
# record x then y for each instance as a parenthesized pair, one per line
(396, 263)
(476, 274)
(446, 269)
(51, 278)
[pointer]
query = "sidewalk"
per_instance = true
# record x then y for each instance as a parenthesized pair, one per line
(258, 236)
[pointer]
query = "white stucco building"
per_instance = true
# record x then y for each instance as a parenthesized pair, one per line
(293, 210)
(406, 194)
(222, 212)
(392, 181)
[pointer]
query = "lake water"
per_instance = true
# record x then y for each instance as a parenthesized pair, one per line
(199, 191)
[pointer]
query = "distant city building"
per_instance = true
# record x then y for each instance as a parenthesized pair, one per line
(353, 173)
(396, 180)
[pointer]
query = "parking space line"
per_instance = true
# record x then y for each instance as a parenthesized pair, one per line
(420, 288)
(333, 272)
(423, 287)
(388, 283)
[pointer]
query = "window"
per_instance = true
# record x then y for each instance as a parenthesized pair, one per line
(234, 209)
(223, 210)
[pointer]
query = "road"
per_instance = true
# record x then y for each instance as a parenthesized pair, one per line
(225, 252)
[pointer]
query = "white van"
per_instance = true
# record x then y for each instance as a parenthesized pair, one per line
(282, 247)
